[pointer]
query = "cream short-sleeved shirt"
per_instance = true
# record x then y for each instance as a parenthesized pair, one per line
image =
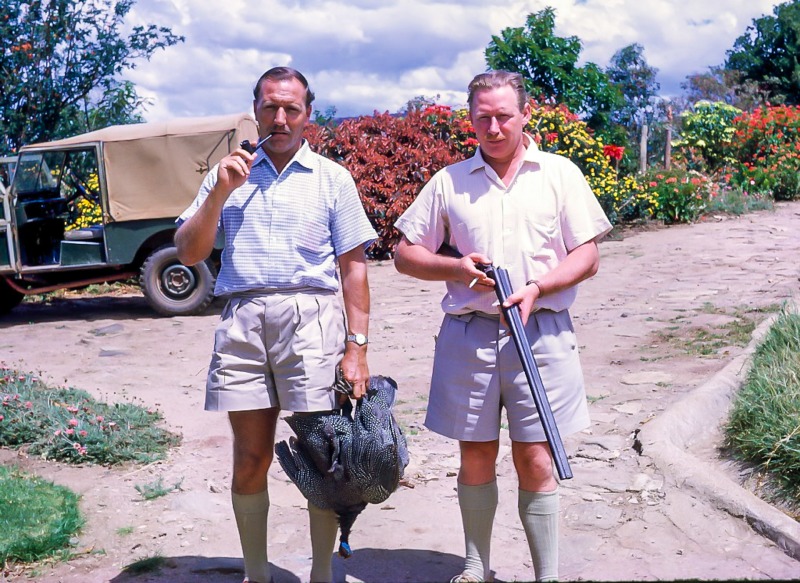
(527, 228)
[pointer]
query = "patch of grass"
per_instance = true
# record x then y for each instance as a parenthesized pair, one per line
(734, 201)
(116, 288)
(594, 399)
(145, 565)
(69, 425)
(157, 488)
(764, 425)
(125, 530)
(707, 341)
(37, 519)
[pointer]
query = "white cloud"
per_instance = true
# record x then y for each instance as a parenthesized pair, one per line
(367, 55)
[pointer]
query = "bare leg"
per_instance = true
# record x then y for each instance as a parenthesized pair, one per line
(477, 499)
(538, 506)
(253, 442)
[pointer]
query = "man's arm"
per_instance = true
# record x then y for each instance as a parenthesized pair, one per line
(194, 239)
(581, 263)
(417, 261)
(355, 293)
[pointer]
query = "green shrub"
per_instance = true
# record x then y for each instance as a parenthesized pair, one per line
(706, 135)
(677, 195)
(69, 425)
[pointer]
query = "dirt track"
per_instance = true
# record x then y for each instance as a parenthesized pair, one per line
(623, 518)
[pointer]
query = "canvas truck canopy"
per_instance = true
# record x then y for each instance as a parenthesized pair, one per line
(153, 170)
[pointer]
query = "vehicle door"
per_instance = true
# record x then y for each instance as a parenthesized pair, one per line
(6, 242)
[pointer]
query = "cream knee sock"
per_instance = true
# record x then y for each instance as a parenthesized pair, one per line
(478, 505)
(539, 514)
(251, 512)
(324, 526)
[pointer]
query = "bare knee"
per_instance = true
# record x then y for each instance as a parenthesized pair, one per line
(253, 440)
(478, 461)
(534, 465)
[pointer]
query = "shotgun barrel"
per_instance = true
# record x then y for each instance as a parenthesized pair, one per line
(514, 319)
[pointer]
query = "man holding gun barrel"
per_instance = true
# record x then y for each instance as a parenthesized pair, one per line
(534, 214)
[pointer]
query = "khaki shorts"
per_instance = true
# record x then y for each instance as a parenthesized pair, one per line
(477, 372)
(276, 350)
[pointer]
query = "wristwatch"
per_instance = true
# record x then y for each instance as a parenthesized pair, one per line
(359, 339)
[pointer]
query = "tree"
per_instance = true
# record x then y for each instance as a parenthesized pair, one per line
(769, 53)
(549, 65)
(60, 63)
(725, 85)
(636, 81)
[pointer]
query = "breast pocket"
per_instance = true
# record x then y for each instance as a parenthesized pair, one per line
(539, 236)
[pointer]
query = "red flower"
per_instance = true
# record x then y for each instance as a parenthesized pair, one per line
(613, 152)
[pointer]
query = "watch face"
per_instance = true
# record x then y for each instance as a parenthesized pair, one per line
(359, 339)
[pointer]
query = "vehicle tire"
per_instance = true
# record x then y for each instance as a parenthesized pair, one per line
(173, 289)
(9, 297)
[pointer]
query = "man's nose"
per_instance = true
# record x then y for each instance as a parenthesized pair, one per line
(494, 126)
(280, 117)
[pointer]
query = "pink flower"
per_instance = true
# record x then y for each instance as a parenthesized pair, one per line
(57, 432)
(73, 422)
(69, 432)
(28, 405)
(99, 418)
(1, 417)
(83, 433)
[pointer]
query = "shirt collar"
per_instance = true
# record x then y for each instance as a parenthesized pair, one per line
(532, 154)
(303, 157)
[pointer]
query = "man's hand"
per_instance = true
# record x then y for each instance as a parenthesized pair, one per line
(355, 369)
(525, 298)
(232, 172)
(471, 275)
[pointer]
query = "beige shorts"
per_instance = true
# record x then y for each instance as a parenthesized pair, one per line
(477, 372)
(276, 350)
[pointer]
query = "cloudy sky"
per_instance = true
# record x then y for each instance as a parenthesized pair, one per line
(366, 55)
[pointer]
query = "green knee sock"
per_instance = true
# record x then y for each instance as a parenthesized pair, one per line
(478, 505)
(539, 514)
(251, 512)
(324, 526)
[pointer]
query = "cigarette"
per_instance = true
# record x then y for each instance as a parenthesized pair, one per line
(472, 283)
(262, 141)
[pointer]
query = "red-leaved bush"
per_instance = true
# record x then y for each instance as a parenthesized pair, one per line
(391, 158)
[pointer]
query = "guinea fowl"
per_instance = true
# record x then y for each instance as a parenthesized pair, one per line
(344, 460)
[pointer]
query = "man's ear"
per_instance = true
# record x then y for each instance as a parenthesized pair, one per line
(527, 112)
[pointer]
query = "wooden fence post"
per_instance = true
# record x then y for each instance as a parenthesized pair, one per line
(643, 150)
(668, 149)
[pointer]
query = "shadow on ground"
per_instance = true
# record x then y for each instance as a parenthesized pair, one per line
(374, 565)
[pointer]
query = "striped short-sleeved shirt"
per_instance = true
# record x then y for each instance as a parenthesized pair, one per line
(528, 227)
(284, 231)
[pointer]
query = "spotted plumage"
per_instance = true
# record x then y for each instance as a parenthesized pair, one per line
(344, 460)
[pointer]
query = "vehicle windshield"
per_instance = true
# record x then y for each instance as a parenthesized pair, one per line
(66, 174)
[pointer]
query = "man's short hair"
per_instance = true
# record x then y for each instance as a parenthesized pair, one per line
(282, 74)
(495, 80)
